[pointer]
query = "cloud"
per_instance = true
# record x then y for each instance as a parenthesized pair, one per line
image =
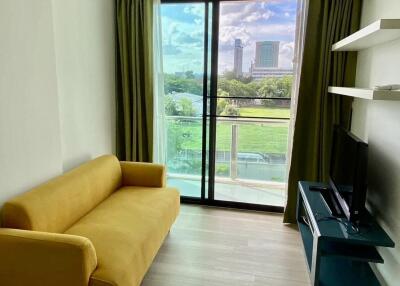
(195, 10)
(236, 13)
(286, 53)
(183, 33)
(182, 44)
(251, 22)
(170, 50)
(183, 39)
(255, 16)
(228, 34)
(282, 30)
(250, 34)
(198, 21)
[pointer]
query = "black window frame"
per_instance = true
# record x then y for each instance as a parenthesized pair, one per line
(209, 200)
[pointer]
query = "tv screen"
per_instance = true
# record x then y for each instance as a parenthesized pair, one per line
(343, 162)
(348, 172)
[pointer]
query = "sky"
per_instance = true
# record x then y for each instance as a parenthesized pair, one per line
(250, 21)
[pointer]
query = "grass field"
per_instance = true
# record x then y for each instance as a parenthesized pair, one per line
(253, 137)
(265, 112)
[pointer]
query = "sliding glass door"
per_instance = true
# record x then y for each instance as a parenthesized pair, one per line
(228, 73)
(255, 75)
(183, 39)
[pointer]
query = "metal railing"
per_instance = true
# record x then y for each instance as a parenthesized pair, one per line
(239, 165)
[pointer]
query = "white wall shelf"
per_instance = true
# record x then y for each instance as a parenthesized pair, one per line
(383, 30)
(366, 93)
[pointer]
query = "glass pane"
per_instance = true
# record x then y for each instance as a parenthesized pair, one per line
(255, 75)
(183, 56)
(251, 160)
(270, 108)
(184, 155)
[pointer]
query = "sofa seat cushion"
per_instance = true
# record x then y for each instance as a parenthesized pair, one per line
(127, 230)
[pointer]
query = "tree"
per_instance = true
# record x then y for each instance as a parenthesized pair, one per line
(182, 107)
(276, 87)
(231, 110)
(246, 79)
(176, 84)
(222, 93)
(226, 108)
(186, 108)
(170, 106)
(229, 75)
(267, 87)
(221, 104)
(189, 74)
(236, 88)
(175, 139)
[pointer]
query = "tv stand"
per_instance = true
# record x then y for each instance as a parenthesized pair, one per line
(336, 252)
(332, 203)
(320, 188)
(329, 198)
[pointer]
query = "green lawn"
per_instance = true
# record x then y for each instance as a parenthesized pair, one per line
(253, 137)
(265, 112)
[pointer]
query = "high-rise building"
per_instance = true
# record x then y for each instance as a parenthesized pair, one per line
(267, 53)
(258, 73)
(238, 58)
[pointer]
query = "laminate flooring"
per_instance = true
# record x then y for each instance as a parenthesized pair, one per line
(216, 247)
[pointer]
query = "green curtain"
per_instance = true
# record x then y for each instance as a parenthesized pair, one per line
(134, 80)
(318, 111)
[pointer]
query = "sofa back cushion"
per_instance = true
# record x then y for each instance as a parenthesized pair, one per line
(59, 203)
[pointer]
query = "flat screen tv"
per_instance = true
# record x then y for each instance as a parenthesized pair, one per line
(348, 173)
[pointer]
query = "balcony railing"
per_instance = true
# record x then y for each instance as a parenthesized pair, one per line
(251, 149)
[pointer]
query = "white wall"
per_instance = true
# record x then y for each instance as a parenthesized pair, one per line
(379, 124)
(56, 88)
(30, 150)
(85, 49)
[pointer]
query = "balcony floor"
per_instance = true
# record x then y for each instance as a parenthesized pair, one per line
(237, 191)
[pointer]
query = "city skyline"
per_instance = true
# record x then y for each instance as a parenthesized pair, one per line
(252, 21)
(265, 63)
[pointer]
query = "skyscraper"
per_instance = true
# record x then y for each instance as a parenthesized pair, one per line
(238, 58)
(267, 53)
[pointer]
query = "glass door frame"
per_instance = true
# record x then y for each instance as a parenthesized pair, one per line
(209, 198)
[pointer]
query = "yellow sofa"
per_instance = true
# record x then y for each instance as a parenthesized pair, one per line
(100, 224)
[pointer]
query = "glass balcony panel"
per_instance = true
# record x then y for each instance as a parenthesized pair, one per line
(258, 108)
(251, 160)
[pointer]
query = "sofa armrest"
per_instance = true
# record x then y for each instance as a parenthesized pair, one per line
(45, 259)
(143, 174)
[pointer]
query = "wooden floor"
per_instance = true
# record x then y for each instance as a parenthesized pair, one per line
(215, 247)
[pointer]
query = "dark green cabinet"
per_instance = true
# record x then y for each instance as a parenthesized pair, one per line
(337, 253)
